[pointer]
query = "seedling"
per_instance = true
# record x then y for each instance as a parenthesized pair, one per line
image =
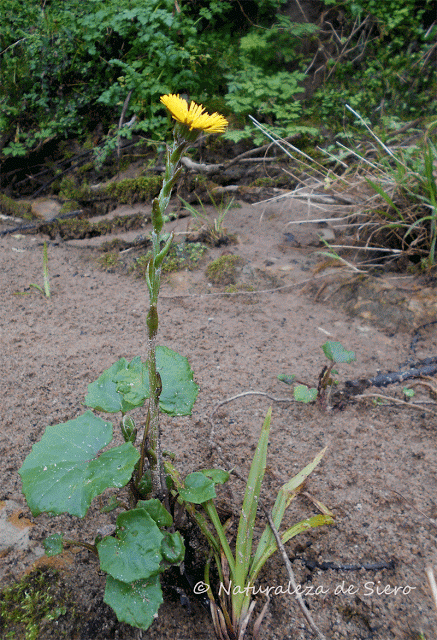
(45, 270)
(336, 354)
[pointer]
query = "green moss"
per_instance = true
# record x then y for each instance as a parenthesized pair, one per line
(181, 256)
(15, 208)
(109, 260)
(70, 205)
(223, 270)
(236, 288)
(133, 190)
(69, 190)
(37, 606)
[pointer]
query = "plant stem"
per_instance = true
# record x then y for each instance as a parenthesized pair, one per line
(153, 278)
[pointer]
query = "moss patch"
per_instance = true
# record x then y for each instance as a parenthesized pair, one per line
(133, 190)
(15, 208)
(185, 255)
(223, 270)
(38, 606)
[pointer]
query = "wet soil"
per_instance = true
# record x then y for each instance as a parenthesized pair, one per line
(378, 476)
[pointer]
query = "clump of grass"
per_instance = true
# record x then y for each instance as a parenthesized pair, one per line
(223, 270)
(392, 186)
(212, 232)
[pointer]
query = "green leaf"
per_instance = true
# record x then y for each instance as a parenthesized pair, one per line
(218, 476)
(135, 553)
(408, 393)
(337, 353)
(132, 383)
(288, 379)
(136, 603)
(173, 548)
(179, 391)
(157, 512)
(243, 545)
(102, 394)
(53, 545)
(197, 488)
(125, 386)
(62, 475)
(302, 393)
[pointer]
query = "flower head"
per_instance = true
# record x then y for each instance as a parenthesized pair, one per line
(194, 116)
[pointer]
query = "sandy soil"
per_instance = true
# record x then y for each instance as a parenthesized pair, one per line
(378, 476)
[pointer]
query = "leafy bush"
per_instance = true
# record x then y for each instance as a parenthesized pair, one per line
(69, 67)
(381, 60)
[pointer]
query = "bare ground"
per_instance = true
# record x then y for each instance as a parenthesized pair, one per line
(378, 476)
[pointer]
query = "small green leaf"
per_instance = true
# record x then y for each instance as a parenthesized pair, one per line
(135, 553)
(157, 512)
(304, 394)
(288, 379)
(197, 488)
(62, 474)
(53, 545)
(337, 353)
(218, 476)
(136, 603)
(102, 394)
(173, 548)
(408, 393)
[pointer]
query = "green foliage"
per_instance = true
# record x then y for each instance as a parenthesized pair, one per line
(125, 386)
(390, 67)
(238, 571)
(68, 66)
(62, 475)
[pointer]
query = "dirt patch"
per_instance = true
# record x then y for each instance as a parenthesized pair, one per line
(378, 476)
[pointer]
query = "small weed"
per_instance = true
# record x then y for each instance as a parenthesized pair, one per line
(109, 260)
(214, 233)
(336, 354)
(45, 270)
(223, 270)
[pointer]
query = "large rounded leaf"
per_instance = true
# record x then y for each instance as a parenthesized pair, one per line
(135, 553)
(136, 603)
(62, 474)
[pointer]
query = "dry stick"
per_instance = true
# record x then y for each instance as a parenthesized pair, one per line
(291, 577)
(395, 400)
(431, 520)
(241, 293)
(240, 395)
(120, 122)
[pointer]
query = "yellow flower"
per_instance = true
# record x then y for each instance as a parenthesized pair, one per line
(194, 116)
